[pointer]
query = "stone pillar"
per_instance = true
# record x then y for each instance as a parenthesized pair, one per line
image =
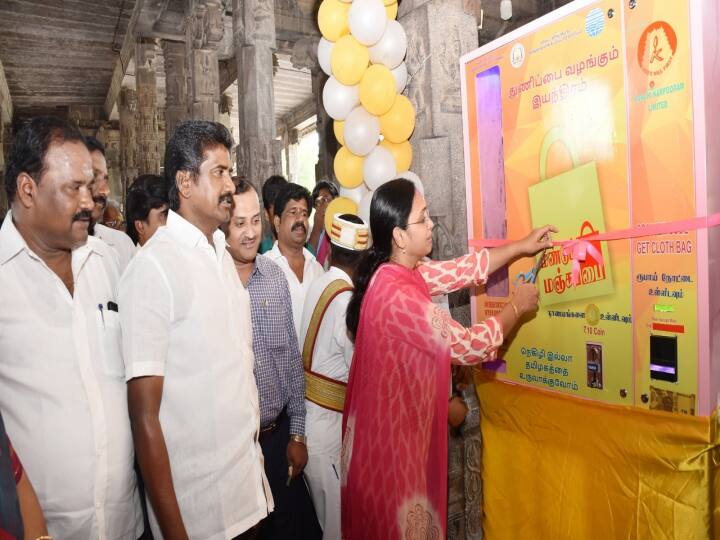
(254, 36)
(439, 32)
(127, 107)
(148, 147)
(204, 32)
(176, 94)
(293, 155)
(328, 145)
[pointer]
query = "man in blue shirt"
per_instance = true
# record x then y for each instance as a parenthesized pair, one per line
(278, 373)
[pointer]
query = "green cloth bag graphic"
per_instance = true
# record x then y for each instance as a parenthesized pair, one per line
(571, 201)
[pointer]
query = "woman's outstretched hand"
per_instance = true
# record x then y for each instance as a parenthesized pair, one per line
(536, 241)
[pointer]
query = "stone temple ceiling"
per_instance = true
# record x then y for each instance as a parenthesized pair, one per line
(61, 52)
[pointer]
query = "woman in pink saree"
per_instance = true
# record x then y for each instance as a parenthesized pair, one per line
(394, 455)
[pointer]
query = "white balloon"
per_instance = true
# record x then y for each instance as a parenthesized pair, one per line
(391, 48)
(361, 131)
(339, 100)
(414, 178)
(367, 20)
(401, 76)
(364, 207)
(355, 194)
(379, 167)
(323, 52)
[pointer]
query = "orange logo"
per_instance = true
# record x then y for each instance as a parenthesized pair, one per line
(657, 48)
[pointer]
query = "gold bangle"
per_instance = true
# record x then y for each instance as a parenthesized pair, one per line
(515, 309)
(302, 439)
(44, 538)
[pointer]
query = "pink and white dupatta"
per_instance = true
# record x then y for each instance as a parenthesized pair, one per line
(394, 456)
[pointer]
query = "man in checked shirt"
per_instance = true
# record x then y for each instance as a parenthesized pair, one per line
(278, 372)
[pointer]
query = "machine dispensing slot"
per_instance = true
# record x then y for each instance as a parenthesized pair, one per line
(663, 358)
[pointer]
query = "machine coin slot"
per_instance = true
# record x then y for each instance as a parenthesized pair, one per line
(594, 357)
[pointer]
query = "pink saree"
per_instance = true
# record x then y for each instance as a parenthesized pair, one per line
(394, 455)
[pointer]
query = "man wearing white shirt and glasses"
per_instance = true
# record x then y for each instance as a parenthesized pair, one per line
(62, 390)
(187, 346)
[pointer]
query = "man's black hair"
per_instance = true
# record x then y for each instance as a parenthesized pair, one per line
(291, 192)
(324, 184)
(185, 149)
(242, 186)
(30, 146)
(93, 145)
(271, 188)
(147, 192)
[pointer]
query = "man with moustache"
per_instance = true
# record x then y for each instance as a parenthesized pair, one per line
(292, 208)
(62, 392)
(278, 373)
(187, 346)
(118, 240)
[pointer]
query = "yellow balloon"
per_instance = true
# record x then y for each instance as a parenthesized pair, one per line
(399, 122)
(338, 127)
(339, 205)
(333, 19)
(402, 153)
(349, 60)
(377, 90)
(348, 168)
(391, 10)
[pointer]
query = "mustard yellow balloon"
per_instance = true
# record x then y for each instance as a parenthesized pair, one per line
(402, 153)
(391, 10)
(338, 128)
(348, 168)
(399, 122)
(349, 60)
(339, 205)
(378, 90)
(333, 19)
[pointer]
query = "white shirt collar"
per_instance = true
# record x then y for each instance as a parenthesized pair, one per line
(191, 236)
(12, 243)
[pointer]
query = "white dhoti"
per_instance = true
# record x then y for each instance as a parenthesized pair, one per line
(322, 472)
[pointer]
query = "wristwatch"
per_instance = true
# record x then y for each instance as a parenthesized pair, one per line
(302, 439)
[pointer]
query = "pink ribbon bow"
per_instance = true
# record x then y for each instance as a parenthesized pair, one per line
(578, 250)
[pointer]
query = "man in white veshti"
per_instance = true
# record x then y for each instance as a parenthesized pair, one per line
(327, 354)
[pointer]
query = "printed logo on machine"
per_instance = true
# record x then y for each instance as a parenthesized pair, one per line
(517, 55)
(595, 22)
(657, 48)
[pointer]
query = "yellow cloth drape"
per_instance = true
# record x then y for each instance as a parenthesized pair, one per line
(556, 467)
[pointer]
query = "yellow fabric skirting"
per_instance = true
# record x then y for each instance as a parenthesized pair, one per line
(556, 467)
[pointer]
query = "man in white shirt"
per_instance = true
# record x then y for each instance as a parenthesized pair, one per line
(62, 391)
(327, 354)
(117, 240)
(187, 346)
(292, 208)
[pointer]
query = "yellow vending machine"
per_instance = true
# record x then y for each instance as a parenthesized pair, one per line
(598, 118)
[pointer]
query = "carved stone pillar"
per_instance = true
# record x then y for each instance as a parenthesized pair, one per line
(204, 32)
(127, 108)
(148, 147)
(327, 144)
(176, 94)
(254, 38)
